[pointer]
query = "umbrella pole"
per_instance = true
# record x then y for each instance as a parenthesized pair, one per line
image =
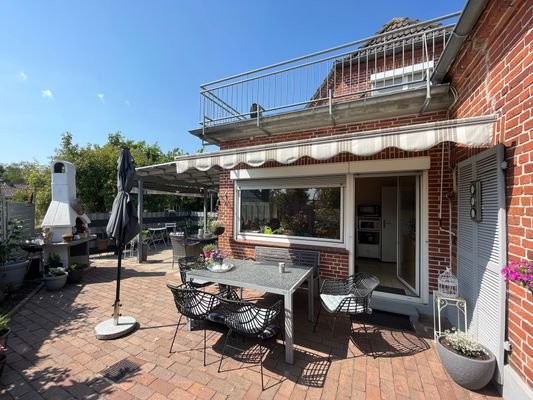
(116, 306)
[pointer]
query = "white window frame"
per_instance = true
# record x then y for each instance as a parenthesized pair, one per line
(253, 236)
(400, 76)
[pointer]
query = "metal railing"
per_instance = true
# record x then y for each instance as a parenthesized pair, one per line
(394, 60)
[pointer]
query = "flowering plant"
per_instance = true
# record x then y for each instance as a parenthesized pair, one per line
(2, 349)
(464, 344)
(212, 254)
(519, 271)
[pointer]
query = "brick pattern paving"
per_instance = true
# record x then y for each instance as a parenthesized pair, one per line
(55, 355)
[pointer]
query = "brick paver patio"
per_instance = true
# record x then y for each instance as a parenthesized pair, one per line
(55, 355)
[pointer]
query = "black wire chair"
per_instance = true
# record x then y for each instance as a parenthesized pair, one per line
(350, 296)
(250, 320)
(197, 306)
(186, 264)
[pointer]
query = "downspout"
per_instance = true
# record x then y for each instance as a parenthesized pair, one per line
(467, 20)
(449, 196)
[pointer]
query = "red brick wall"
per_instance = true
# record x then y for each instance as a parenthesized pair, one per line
(493, 75)
(334, 263)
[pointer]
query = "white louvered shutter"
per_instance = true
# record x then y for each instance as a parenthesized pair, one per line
(481, 250)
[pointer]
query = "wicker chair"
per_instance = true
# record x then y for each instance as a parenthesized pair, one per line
(250, 320)
(182, 247)
(197, 305)
(350, 296)
(185, 264)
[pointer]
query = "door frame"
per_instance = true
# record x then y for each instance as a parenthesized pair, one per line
(422, 239)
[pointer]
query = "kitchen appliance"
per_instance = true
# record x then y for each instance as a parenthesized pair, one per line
(368, 210)
(369, 237)
(365, 224)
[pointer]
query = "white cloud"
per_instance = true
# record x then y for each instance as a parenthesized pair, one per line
(47, 94)
(22, 76)
(101, 97)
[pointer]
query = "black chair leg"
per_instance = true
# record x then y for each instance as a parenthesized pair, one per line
(205, 342)
(224, 349)
(261, 364)
(175, 333)
(317, 317)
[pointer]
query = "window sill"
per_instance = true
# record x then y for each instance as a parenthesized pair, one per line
(321, 247)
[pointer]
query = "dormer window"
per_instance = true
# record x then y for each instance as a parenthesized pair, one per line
(393, 80)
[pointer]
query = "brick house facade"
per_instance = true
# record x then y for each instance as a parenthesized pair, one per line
(490, 76)
(493, 74)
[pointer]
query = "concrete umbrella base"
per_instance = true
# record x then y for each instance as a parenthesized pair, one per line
(108, 330)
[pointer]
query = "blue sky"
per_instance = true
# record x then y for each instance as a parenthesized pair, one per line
(95, 67)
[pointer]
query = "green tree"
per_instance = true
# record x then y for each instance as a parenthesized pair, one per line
(96, 171)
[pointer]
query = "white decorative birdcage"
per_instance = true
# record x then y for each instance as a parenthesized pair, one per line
(448, 284)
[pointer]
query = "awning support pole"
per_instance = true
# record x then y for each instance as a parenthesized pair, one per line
(205, 210)
(140, 208)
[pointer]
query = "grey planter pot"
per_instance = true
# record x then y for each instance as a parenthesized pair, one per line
(12, 274)
(55, 282)
(469, 373)
(75, 276)
(144, 252)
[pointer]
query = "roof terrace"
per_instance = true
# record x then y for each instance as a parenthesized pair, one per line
(400, 57)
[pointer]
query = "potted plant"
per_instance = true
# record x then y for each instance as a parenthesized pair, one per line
(75, 273)
(468, 363)
(216, 227)
(144, 245)
(520, 272)
(55, 276)
(212, 254)
(13, 267)
(4, 329)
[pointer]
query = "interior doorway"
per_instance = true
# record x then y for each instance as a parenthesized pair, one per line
(387, 210)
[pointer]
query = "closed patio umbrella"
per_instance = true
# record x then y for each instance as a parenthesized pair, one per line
(122, 226)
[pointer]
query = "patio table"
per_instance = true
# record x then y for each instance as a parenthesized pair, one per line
(264, 277)
(157, 235)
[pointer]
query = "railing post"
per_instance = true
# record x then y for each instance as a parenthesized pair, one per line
(330, 98)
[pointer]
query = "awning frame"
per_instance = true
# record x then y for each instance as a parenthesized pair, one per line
(472, 132)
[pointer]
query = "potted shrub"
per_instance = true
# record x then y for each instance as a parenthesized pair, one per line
(468, 363)
(144, 245)
(216, 227)
(55, 276)
(75, 273)
(13, 267)
(4, 329)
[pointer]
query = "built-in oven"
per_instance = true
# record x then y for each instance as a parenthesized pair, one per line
(366, 237)
(368, 210)
(365, 224)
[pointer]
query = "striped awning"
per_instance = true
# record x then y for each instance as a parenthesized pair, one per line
(472, 132)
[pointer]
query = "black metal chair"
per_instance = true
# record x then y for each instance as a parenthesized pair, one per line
(250, 320)
(197, 306)
(350, 296)
(186, 264)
